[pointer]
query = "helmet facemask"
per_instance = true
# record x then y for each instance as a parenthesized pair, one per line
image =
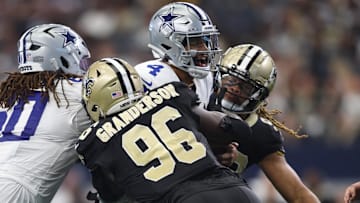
(198, 54)
(174, 28)
(248, 75)
(241, 95)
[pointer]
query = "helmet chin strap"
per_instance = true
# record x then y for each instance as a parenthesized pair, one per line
(230, 106)
(193, 72)
(197, 73)
(101, 113)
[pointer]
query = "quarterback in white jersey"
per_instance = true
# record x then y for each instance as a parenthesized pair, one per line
(155, 73)
(184, 40)
(41, 114)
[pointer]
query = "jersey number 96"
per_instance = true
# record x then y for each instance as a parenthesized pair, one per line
(167, 147)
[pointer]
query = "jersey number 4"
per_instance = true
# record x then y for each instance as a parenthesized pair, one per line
(167, 147)
(22, 121)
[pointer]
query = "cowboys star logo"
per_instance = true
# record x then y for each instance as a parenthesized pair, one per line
(69, 38)
(168, 19)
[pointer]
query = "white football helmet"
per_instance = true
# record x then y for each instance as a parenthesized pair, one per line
(174, 27)
(248, 73)
(52, 47)
(111, 85)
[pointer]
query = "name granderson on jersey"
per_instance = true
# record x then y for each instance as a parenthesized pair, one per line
(121, 120)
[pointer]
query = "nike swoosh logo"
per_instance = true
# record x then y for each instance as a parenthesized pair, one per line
(147, 83)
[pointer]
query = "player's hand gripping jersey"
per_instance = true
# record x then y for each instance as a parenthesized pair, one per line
(33, 151)
(146, 150)
(156, 73)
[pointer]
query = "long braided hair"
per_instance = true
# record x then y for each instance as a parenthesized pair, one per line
(269, 115)
(18, 87)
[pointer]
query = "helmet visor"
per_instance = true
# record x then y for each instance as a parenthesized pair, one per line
(237, 90)
(202, 48)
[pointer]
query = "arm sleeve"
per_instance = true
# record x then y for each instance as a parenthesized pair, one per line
(124, 199)
(107, 188)
(239, 130)
(220, 128)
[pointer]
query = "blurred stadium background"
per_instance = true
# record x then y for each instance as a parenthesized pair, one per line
(315, 44)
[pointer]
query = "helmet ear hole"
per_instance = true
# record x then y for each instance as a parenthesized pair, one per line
(166, 46)
(64, 62)
(34, 47)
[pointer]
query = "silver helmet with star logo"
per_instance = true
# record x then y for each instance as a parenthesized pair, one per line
(183, 34)
(52, 47)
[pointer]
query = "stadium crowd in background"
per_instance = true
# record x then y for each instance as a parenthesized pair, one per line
(316, 46)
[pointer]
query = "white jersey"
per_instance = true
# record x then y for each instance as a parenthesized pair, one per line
(155, 73)
(37, 144)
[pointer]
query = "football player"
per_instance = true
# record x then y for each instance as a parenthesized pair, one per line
(248, 75)
(184, 42)
(41, 114)
(148, 146)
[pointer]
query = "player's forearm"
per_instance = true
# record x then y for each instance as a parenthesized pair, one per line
(303, 196)
(297, 193)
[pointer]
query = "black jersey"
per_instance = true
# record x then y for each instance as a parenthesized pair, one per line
(264, 140)
(149, 148)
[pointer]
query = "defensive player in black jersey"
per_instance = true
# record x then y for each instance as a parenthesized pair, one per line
(148, 146)
(248, 75)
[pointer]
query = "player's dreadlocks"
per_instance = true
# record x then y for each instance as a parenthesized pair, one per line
(19, 86)
(269, 115)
